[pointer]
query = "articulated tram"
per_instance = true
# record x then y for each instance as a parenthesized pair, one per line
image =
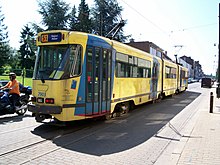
(79, 76)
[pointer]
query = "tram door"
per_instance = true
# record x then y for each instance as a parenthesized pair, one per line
(181, 76)
(154, 82)
(98, 80)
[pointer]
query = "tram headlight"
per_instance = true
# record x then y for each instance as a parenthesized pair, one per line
(40, 100)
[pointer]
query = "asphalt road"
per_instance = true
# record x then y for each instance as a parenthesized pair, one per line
(123, 140)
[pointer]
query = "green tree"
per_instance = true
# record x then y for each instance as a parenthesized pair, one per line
(4, 42)
(55, 14)
(84, 23)
(14, 58)
(36, 28)
(73, 20)
(27, 49)
(106, 15)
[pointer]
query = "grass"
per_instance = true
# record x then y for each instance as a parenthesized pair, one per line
(27, 81)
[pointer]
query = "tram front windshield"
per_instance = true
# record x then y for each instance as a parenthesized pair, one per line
(58, 62)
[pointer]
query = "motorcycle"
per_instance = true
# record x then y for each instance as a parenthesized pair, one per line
(20, 105)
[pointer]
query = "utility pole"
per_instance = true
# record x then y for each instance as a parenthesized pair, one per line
(218, 88)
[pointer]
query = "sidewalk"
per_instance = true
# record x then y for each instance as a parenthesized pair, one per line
(199, 140)
(203, 144)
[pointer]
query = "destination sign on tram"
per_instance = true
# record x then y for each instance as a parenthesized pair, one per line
(51, 37)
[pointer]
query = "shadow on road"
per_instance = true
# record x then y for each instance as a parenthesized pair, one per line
(123, 133)
(5, 119)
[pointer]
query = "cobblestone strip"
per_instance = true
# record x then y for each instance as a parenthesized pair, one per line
(205, 147)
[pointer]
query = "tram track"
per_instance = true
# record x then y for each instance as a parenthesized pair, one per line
(60, 133)
(50, 138)
(19, 129)
(87, 134)
(47, 146)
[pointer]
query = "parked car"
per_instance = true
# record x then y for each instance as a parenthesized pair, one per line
(189, 80)
(207, 82)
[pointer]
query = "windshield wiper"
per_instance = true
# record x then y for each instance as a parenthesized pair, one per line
(42, 79)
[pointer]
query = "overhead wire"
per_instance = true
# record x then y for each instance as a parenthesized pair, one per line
(158, 27)
(148, 20)
(194, 27)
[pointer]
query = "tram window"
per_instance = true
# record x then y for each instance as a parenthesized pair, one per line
(104, 70)
(97, 72)
(129, 66)
(141, 62)
(47, 56)
(78, 63)
(183, 74)
(148, 64)
(117, 69)
(170, 72)
(148, 72)
(144, 68)
(167, 72)
(97, 62)
(130, 60)
(56, 60)
(109, 75)
(135, 61)
(75, 60)
(122, 57)
(135, 71)
(104, 74)
(173, 73)
(121, 69)
(148, 69)
(143, 72)
(89, 75)
(130, 71)
(155, 69)
(140, 72)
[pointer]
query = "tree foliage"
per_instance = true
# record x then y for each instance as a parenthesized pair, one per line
(4, 42)
(27, 49)
(55, 14)
(101, 19)
(106, 15)
(73, 20)
(84, 23)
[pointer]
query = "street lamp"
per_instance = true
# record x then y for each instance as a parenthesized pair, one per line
(27, 52)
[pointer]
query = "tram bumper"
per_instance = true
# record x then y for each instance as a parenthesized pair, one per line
(42, 109)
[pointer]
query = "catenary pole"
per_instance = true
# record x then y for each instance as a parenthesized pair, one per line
(218, 49)
(218, 87)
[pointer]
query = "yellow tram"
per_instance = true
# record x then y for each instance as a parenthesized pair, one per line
(79, 75)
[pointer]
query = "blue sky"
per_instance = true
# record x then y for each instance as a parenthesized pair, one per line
(192, 24)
